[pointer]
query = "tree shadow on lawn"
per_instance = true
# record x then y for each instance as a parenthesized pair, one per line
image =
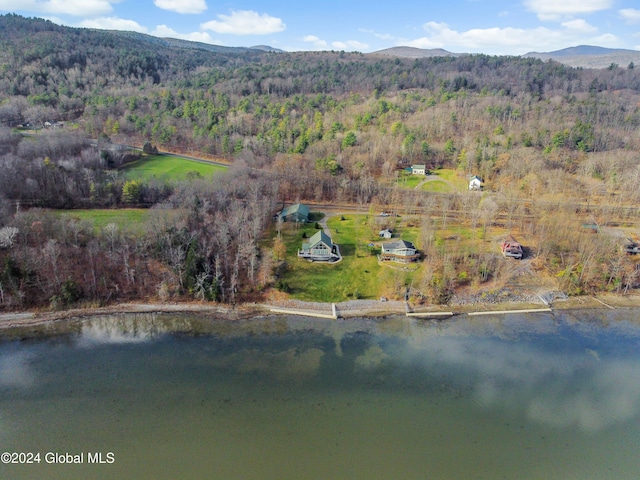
(347, 249)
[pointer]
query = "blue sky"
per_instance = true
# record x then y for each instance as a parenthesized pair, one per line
(497, 27)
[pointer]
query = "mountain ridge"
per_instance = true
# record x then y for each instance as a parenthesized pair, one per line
(580, 56)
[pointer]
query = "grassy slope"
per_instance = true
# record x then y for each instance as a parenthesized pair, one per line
(162, 167)
(358, 276)
(452, 181)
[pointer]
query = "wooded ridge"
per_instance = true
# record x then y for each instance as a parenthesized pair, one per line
(556, 147)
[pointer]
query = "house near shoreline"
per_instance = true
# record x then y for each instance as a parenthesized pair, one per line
(295, 213)
(400, 251)
(511, 248)
(320, 248)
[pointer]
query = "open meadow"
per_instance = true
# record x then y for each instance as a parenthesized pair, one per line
(169, 168)
(135, 221)
(442, 180)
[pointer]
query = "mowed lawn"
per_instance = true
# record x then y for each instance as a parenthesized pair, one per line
(167, 168)
(358, 276)
(449, 181)
(457, 178)
(127, 219)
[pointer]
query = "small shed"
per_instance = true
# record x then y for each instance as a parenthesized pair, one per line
(386, 233)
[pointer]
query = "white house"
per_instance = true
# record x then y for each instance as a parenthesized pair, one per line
(418, 169)
(475, 183)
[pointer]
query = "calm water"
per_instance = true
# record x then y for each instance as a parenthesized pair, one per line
(517, 397)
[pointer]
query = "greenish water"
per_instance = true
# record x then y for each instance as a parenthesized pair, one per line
(516, 397)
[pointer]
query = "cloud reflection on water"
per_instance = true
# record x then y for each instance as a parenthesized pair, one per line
(562, 389)
(15, 370)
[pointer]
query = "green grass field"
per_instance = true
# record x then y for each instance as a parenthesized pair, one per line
(452, 181)
(455, 177)
(127, 219)
(409, 181)
(437, 186)
(168, 168)
(358, 275)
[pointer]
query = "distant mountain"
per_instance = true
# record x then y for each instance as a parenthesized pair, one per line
(179, 43)
(582, 50)
(267, 48)
(412, 52)
(589, 56)
(585, 56)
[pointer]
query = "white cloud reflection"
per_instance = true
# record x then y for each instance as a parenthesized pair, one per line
(563, 389)
(15, 370)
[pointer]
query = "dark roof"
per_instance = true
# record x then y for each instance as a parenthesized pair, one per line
(318, 237)
(297, 208)
(398, 244)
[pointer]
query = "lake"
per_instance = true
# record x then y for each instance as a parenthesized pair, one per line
(165, 396)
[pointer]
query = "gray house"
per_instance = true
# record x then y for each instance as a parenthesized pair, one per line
(295, 213)
(399, 251)
(319, 248)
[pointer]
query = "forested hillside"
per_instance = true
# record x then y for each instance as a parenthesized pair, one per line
(306, 126)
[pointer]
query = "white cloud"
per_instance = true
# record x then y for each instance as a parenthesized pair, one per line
(579, 25)
(315, 41)
(554, 9)
(631, 15)
(510, 41)
(350, 45)
(384, 36)
(166, 32)
(113, 23)
(606, 40)
(61, 7)
(245, 22)
(182, 6)
(506, 39)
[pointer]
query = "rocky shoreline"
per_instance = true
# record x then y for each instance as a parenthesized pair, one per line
(496, 302)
